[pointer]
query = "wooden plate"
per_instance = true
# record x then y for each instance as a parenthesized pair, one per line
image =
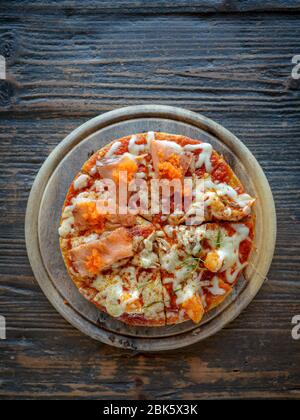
(46, 201)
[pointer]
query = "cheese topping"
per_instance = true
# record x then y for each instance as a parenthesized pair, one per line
(136, 149)
(66, 227)
(221, 189)
(204, 156)
(114, 148)
(172, 145)
(150, 138)
(81, 182)
(215, 289)
(111, 291)
(171, 260)
(188, 291)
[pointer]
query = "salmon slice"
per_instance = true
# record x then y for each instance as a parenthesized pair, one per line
(115, 220)
(91, 258)
(169, 161)
(110, 168)
(87, 215)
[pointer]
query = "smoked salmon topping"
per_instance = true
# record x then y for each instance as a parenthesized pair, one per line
(93, 262)
(126, 165)
(87, 216)
(168, 162)
(95, 256)
(111, 168)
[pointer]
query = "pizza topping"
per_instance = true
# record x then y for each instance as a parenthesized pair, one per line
(169, 161)
(93, 257)
(218, 201)
(221, 190)
(86, 216)
(152, 294)
(111, 168)
(170, 261)
(114, 148)
(150, 137)
(194, 308)
(216, 290)
(135, 147)
(117, 220)
(147, 258)
(204, 156)
(81, 182)
(66, 227)
(213, 261)
(186, 291)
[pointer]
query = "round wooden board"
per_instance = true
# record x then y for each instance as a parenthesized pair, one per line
(46, 201)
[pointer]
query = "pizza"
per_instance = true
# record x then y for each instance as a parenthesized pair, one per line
(156, 264)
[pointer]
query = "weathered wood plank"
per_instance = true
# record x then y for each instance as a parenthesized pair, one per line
(208, 370)
(89, 64)
(160, 7)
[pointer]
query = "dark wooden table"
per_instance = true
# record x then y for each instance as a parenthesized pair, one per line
(68, 61)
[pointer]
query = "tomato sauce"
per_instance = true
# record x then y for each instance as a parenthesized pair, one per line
(245, 248)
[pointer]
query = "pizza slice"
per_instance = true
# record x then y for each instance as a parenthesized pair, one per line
(223, 196)
(130, 294)
(200, 265)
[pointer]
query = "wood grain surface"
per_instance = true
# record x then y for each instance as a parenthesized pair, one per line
(69, 61)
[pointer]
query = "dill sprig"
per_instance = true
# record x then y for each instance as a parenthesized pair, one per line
(219, 239)
(193, 263)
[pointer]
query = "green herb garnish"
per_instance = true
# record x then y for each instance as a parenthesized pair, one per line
(219, 239)
(153, 303)
(193, 263)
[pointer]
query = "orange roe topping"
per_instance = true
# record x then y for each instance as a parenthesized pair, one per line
(168, 171)
(93, 262)
(88, 211)
(127, 165)
(171, 169)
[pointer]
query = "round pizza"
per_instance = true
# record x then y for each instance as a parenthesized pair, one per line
(156, 229)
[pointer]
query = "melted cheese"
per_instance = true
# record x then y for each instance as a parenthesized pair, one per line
(111, 292)
(221, 189)
(150, 138)
(81, 182)
(205, 155)
(172, 145)
(147, 258)
(189, 289)
(66, 227)
(136, 149)
(171, 260)
(229, 250)
(93, 170)
(229, 247)
(216, 290)
(114, 148)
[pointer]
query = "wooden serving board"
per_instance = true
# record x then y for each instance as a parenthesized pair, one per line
(46, 202)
